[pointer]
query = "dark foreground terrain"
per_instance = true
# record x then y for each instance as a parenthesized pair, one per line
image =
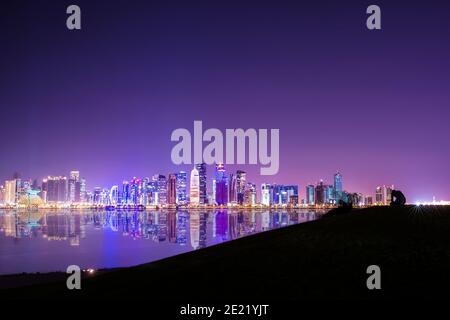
(324, 259)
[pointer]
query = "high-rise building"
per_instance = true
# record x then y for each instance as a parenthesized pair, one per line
(368, 201)
(162, 189)
(241, 178)
(291, 191)
(266, 194)
(194, 187)
(310, 195)
(232, 189)
(74, 186)
(387, 194)
(2, 195)
(10, 192)
(330, 194)
(221, 185)
(172, 189)
(126, 199)
(143, 197)
(181, 188)
(152, 191)
(97, 195)
(320, 193)
(276, 194)
(250, 194)
(201, 168)
(114, 195)
(135, 191)
(57, 189)
(83, 193)
(213, 192)
(379, 195)
(19, 189)
(337, 187)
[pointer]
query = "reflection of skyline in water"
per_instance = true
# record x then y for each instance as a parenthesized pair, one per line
(167, 229)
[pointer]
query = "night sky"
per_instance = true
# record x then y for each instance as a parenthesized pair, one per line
(104, 100)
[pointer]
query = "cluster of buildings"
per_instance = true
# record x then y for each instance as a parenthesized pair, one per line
(181, 189)
(332, 194)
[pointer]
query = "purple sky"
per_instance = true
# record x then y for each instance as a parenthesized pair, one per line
(104, 100)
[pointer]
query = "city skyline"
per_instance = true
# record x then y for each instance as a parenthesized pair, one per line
(225, 188)
(371, 104)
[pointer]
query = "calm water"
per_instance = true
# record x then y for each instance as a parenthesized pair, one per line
(50, 241)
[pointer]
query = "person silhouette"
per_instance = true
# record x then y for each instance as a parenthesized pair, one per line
(397, 198)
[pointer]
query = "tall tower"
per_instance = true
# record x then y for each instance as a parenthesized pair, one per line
(241, 178)
(125, 192)
(74, 186)
(172, 189)
(337, 187)
(379, 195)
(194, 189)
(320, 193)
(221, 185)
(387, 194)
(213, 193)
(201, 168)
(266, 197)
(83, 194)
(232, 189)
(310, 195)
(10, 192)
(181, 188)
(162, 189)
(57, 189)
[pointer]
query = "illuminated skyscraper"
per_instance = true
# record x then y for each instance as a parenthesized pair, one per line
(194, 188)
(221, 185)
(202, 187)
(213, 193)
(266, 194)
(368, 201)
(387, 194)
(126, 192)
(241, 178)
(10, 192)
(379, 195)
(291, 191)
(97, 195)
(114, 195)
(310, 195)
(152, 191)
(337, 187)
(144, 198)
(320, 193)
(330, 194)
(83, 193)
(181, 188)
(172, 189)
(250, 194)
(232, 189)
(135, 191)
(74, 186)
(162, 189)
(56, 189)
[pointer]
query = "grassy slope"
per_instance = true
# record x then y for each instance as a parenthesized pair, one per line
(322, 259)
